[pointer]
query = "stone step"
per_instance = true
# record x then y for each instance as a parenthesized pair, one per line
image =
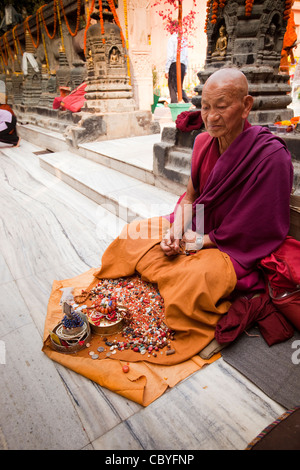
(296, 165)
(121, 194)
(44, 138)
(132, 156)
(180, 158)
(178, 164)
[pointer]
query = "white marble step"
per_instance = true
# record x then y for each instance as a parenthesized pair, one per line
(121, 194)
(44, 138)
(132, 156)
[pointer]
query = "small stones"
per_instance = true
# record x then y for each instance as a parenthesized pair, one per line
(95, 356)
(145, 332)
(125, 369)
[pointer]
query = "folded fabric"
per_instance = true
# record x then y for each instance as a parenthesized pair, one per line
(244, 312)
(73, 102)
(29, 57)
(57, 102)
(282, 267)
(188, 121)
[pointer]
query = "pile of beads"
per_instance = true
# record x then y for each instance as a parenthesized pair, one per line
(146, 332)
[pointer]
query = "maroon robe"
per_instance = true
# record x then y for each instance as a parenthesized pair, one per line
(246, 196)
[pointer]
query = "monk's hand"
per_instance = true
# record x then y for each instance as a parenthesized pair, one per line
(169, 244)
(192, 240)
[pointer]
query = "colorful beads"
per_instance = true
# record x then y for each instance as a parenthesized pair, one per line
(146, 332)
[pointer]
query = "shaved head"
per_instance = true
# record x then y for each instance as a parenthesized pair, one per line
(225, 104)
(229, 78)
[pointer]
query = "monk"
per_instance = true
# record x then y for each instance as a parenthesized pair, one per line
(241, 176)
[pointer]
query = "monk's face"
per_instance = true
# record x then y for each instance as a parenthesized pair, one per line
(224, 110)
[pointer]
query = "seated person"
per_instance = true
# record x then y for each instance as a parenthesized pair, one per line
(8, 122)
(242, 175)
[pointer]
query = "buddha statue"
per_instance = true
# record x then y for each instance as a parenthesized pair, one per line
(270, 38)
(221, 44)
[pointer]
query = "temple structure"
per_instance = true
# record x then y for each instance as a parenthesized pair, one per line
(66, 44)
(254, 44)
(247, 35)
(115, 50)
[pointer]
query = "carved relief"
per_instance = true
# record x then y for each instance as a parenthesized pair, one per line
(114, 56)
(221, 44)
(270, 39)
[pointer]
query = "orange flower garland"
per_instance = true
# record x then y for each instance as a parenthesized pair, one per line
(50, 36)
(77, 20)
(215, 7)
(88, 22)
(127, 40)
(249, 7)
(288, 8)
(60, 28)
(16, 40)
(114, 12)
(207, 15)
(7, 46)
(26, 26)
(101, 21)
(4, 57)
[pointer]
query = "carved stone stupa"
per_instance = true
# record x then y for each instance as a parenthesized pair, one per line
(108, 88)
(252, 43)
(109, 110)
(32, 83)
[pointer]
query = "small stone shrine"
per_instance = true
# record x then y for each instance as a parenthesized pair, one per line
(110, 110)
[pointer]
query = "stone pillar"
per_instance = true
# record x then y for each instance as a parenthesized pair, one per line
(140, 54)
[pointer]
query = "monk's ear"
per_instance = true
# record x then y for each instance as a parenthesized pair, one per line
(248, 103)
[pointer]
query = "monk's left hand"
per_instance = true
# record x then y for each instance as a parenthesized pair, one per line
(170, 245)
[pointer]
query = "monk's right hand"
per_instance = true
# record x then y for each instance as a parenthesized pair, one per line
(169, 244)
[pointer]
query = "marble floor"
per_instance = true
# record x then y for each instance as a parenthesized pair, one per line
(48, 231)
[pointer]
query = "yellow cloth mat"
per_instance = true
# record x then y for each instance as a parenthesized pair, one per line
(193, 305)
(144, 382)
